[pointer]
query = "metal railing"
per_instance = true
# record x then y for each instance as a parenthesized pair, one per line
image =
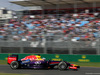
(50, 44)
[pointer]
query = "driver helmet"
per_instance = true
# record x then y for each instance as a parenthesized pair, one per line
(38, 56)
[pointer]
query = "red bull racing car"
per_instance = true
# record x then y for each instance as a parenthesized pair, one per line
(36, 62)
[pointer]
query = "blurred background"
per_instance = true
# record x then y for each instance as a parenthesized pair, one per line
(50, 26)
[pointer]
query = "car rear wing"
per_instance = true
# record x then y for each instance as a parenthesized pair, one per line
(12, 58)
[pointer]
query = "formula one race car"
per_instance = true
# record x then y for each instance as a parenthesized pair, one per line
(36, 62)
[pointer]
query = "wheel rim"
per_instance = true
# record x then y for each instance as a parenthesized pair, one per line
(62, 66)
(14, 65)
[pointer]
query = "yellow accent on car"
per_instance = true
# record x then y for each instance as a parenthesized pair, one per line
(39, 57)
(75, 65)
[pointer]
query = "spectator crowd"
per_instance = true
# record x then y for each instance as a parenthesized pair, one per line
(74, 27)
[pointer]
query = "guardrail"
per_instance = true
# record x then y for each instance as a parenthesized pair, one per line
(51, 45)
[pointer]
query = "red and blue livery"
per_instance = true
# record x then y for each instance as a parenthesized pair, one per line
(36, 62)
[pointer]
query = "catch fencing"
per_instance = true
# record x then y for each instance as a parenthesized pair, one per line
(50, 45)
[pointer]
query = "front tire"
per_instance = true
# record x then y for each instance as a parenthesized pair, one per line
(14, 65)
(62, 66)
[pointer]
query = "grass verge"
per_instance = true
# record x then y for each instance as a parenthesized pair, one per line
(3, 62)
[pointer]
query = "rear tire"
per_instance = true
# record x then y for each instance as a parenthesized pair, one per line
(62, 66)
(14, 65)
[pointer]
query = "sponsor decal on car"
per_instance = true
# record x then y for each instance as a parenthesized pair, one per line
(37, 63)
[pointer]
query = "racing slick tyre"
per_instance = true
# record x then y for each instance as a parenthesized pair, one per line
(62, 66)
(14, 65)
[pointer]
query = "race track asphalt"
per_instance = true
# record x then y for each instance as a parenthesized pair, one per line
(81, 71)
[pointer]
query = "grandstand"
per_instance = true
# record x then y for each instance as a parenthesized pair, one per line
(63, 27)
(50, 4)
(60, 6)
(6, 15)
